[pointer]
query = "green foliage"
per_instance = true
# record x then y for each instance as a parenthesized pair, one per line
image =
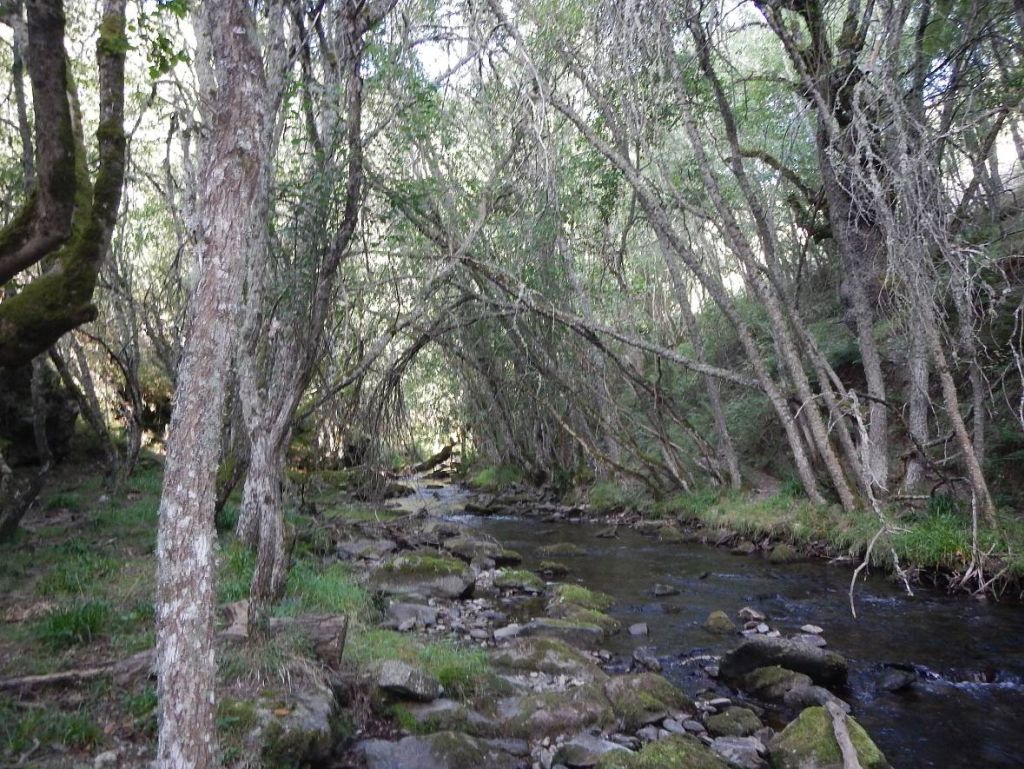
(74, 625)
(331, 589)
(77, 573)
(234, 575)
(496, 477)
(21, 726)
(65, 500)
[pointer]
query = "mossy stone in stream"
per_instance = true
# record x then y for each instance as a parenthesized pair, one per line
(671, 534)
(734, 722)
(560, 549)
(516, 579)
(718, 622)
(642, 698)
(673, 752)
(773, 682)
(582, 596)
(581, 615)
(809, 742)
(552, 569)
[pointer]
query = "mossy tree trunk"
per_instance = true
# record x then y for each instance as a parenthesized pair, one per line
(66, 223)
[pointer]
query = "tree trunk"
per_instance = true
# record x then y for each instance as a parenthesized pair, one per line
(917, 399)
(230, 177)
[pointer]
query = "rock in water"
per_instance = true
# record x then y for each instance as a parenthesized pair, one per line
(783, 553)
(824, 667)
(638, 629)
(660, 591)
(406, 681)
(719, 622)
(645, 657)
(809, 742)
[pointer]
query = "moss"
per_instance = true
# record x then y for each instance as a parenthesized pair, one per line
(424, 565)
(560, 549)
(553, 569)
(513, 579)
(734, 722)
(560, 712)
(547, 655)
(783, 553)
(639, 699)
(580, 615)
(719, 622)
(495, 478)
(458, 751)
(581, 596)
(670, 753)
(810, 740)
(772, 682)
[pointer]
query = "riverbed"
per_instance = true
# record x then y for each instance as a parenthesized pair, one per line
(965, 710)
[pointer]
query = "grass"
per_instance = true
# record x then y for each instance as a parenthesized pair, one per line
(313, 589)
(24, 727)
(463, 672)
(495, 478)
(75, 625)
(78, 574)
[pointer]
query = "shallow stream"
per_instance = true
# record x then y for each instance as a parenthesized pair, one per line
(965, 711)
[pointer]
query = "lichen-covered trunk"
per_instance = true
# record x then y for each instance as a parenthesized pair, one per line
(186, 671)
(918, 402)
(263, 503)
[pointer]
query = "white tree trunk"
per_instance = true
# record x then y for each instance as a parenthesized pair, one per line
(186, 670)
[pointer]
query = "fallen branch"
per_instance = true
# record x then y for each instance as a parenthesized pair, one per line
(842, 733)
(121, 669)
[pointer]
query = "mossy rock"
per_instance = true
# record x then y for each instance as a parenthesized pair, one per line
(582, 615)
(552, 569)
(671, 534)
(429, 717)
(734, 722)
(825, 667)
(546, 655)
(581, 596)
(300, 730)
(517, 579)
(718, 622)
(673, 752)
(443, 750)
(577, 633)
(783, 553)
(809, 742)
(424, 576)
(773, 682)
(546, 714)
(643, 698)
(560, 549)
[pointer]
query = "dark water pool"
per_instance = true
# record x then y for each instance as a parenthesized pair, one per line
(967, 713)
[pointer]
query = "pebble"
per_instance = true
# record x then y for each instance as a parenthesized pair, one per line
(811, 640)
(638, 629)
(720, 703)
(509, 631)
(751, 615)
(672, 726)
(664, 590)
(763, 628)
(479, 634)
(812, 629)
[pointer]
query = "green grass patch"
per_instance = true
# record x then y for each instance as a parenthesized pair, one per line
(77, 574)
(66, 500)
(496, 477)
(322, 590)
(581, 596)
(75, 625)
(22, 725)
(234, 573)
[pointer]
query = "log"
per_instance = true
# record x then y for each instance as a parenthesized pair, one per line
(842, 733)
(429, 464)
(326, 632)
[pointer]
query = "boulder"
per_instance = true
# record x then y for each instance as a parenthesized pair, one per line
(444, 750)
(584, 751)
(418, 614)
(420, 577)
(365, 548)
(576, 633)
(741, 752)
(519, 581)
(407, 682)
(643, 698)
(672, 752)
(546, 655)
(734, 722)
(824, 667)
(296, 728)
(439, 715)
(773, 683)
(718, 622)
(809, 742)
(581, 596)
(471, 549)
(547, 714)
(783, 553)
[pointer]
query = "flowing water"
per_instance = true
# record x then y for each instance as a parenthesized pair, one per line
(966, 710)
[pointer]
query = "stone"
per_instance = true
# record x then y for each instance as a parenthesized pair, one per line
(660, 591)
(672, 752)
(746, 547)
(809, 743)
(439, 715)
(644, 657)
(649, 733)
(672, 726)
(443, 750)
(811, 640)
(773, 682)
(509, 631)
(584, 751)
(734, 722)
(554, 712)
(897, 680)
(365, 548)
(108, 759)
(552, 569)
(470, 549)
(407, 682)
(811, 629)
(576, 633)
(638, 629)
(671, 534)
(762, 628)
(642, 698)
(741, 752)
(546, 655)
(519, 581)
(297, 728)
(783, 553)
(422, 577)
(419, 614)
(824, 667)
(748, 614)
(578, 595)
(718, 622)
(693, 726)
(560, 549)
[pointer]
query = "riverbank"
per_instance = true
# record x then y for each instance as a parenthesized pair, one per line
(933, 544)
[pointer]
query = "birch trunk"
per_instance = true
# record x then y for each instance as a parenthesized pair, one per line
(230, 176)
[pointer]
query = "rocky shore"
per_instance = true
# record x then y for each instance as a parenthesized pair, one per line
(554, 697)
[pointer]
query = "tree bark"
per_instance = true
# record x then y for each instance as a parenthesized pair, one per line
(230, 176)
